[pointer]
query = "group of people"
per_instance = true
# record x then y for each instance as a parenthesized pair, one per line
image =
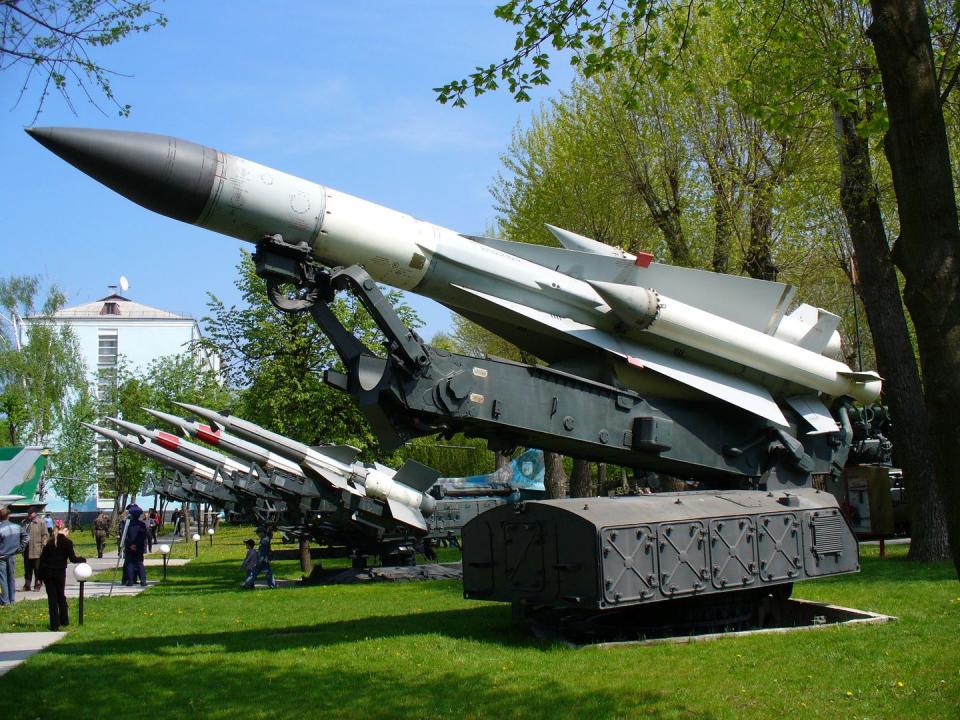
(45, 556)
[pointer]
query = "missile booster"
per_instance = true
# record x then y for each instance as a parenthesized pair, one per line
(583, 305)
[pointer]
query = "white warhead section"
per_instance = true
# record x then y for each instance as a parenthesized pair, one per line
(249, 200)
(382, 487)
(393, 247)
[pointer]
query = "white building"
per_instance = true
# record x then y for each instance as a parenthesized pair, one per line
(115, 327)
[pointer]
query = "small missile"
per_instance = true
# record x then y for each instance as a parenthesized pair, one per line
(233, 445)
(726, 336)
(406, 486)
(155, 452)
(197, 453)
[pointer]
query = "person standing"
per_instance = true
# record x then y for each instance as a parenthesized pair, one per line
(9, 547)
(101, 531)
(151, 530)
(53, 568)
(177, 521)
(263, 561)
(33, 535)
(133, 548)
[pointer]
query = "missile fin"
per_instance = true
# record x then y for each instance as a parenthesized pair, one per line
(406, 514)
(347, 454)
(729, 388)
(332, 478)
(861, 378)
(758, 304)
(573, 241)
(814, 412)
(822, 326)
(416, 475)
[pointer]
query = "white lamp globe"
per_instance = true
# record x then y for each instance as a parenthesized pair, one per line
(164, 549)
(196, 537)
(82, 571)
(209, 531)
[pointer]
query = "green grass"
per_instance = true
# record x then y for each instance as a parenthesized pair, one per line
(199, 647)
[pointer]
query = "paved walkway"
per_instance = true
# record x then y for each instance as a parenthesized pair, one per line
(17, 647)
(99, 565)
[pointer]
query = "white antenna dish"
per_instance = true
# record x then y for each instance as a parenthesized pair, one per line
(124, 283)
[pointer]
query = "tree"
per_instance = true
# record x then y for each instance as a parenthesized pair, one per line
(184, 378)
(928, 249)
(647, 41)
(56, 43)
(276, 361)
(40, 363)
(75, 453)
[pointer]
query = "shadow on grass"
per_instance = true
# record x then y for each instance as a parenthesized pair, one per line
(489, 625)
(279, 673)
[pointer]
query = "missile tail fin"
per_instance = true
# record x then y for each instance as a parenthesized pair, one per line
(416, 475)
(573, 241)
(822, 325)
(347, 454)
(814, 412)
(406, 514)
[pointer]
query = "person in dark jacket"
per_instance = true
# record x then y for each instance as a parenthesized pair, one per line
(263, 561)
(134, 547)
(9, 548)
(53, 569)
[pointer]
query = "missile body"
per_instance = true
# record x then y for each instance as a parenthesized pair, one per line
(155, 452)
(722, 335)
(378, 482)
(197, 453)
(233, 445)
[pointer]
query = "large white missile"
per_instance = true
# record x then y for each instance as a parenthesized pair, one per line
(728, 336)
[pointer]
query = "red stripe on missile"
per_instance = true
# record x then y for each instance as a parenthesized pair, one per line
(643, 259)
(207, 434)
(165, 439)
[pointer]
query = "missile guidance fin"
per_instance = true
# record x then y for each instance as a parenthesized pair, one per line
(416, 475)
(347, 454)
(406, 514)
(814, 412)
(822, 326)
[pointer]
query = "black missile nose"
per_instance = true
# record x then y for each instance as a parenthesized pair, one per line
(169, 176)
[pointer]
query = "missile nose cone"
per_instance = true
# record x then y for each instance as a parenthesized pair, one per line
(169, 176)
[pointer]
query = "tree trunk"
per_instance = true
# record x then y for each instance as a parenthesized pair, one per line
(928, 250)
(601, 478)
(581, 480)
(880, 291)
(306, 565)
(758, 261)
(554, 476)
(500, 459)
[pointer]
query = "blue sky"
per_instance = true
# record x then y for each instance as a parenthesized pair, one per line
(336, 92)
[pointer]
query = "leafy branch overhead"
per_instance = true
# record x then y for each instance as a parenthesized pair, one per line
(598, 35)
(56, 44)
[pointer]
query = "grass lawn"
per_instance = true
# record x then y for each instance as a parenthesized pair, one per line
(199, 647)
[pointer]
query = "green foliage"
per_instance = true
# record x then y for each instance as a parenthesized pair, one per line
(277, 359)
(187, 378)
(459, 456)
(40, 362)
(74, 470)
(55, 43)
